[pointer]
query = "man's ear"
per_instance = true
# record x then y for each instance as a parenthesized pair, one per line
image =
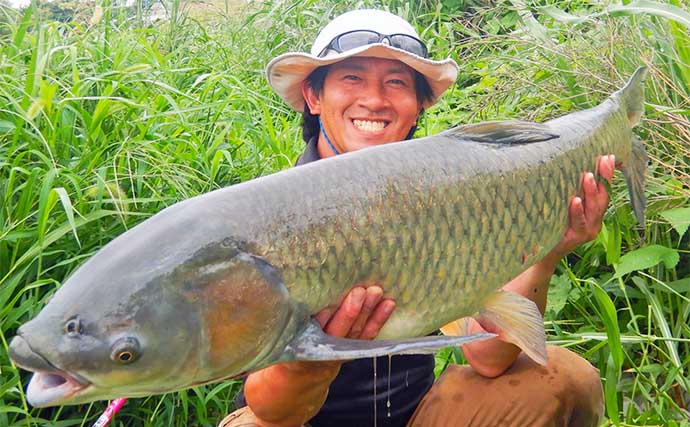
(312, 98)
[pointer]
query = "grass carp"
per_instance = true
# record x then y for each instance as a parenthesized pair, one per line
(226, 282)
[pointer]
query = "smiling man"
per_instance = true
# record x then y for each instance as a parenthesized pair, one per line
(366, 82)
(368, 101)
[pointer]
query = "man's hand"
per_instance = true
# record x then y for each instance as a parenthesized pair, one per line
(587, 213)
(361, 315)
(289, 394)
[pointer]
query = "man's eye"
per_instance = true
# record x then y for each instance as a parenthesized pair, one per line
(397, 82)
(351, 77)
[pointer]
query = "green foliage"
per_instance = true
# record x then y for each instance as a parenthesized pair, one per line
(105, 120)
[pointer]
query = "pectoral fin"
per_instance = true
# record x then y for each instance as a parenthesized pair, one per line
(313, 344)
(519, 321)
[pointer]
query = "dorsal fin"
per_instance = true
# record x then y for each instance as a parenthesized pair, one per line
(507, 132)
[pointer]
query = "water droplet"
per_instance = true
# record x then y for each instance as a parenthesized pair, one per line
(388, 400)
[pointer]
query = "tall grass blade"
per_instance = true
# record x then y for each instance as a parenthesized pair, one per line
(664, 10)
(69, 210)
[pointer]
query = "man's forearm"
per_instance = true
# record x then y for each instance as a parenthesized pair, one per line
(289, 394)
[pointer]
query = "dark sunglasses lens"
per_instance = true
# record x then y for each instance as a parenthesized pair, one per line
(356, 39)
(409, 44)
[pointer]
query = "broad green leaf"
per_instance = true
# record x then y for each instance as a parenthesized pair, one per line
(681, 285)
(646, 257)
(559, 290)
(678, 218)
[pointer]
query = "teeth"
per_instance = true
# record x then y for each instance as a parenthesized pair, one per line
(369, 126)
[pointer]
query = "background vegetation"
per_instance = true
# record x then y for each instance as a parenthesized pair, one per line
(106, 118)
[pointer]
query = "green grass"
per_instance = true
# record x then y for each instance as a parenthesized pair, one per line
(104, 122)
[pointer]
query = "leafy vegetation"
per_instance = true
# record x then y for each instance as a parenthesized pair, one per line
(105, 120)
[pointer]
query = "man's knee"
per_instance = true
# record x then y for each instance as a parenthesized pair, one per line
(565, 392)
(242, 417)
(579, 386)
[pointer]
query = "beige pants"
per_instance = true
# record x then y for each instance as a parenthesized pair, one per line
(565, 393)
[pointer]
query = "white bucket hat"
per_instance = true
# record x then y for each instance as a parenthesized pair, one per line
(287, 71)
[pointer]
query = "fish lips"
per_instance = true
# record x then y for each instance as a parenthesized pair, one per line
(49, 386)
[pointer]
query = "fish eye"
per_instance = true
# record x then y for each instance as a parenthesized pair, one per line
(125, 350)
(125, 356)
(73, 327)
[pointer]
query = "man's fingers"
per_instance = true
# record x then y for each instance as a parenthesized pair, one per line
(595, 200)
(346, 315)
(577, 214)
(607, 166)
(360, 315)
(589, 187)
(377, 319)
(371, 299)
(324, 316)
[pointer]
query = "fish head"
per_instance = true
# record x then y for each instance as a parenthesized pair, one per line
(92, 343)
(151, 313)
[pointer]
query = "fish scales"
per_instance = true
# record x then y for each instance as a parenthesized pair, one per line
(397, 223)
(225, 283)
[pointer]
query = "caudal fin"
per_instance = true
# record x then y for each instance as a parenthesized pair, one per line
(631, 98)
(634, 172)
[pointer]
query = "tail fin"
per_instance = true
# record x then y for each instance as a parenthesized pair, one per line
(632, 95)
(631, 98)
(634, 172)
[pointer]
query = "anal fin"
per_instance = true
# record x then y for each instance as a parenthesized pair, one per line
(519, 321)
(456, 327)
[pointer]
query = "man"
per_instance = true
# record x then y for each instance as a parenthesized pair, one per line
(366, 82)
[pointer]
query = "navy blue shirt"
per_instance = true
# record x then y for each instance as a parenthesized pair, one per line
(350, 401)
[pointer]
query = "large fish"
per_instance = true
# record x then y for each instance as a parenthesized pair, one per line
(225, 283)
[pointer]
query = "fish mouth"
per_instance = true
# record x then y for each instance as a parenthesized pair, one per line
(49, 385)
(52, 388)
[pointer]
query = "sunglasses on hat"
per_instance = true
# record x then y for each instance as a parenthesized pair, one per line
(358, 38)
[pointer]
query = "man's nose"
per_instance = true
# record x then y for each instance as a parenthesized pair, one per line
(374, 97)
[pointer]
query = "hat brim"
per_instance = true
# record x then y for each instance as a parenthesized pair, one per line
(287, 72)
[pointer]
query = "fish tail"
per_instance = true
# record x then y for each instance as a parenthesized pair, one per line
(518, 320)
(631, 99)
(634, 172)
(632, 96)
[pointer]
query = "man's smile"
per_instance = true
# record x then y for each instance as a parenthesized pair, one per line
(369, 125)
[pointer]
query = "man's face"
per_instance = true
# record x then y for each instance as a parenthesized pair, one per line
(365, 102)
